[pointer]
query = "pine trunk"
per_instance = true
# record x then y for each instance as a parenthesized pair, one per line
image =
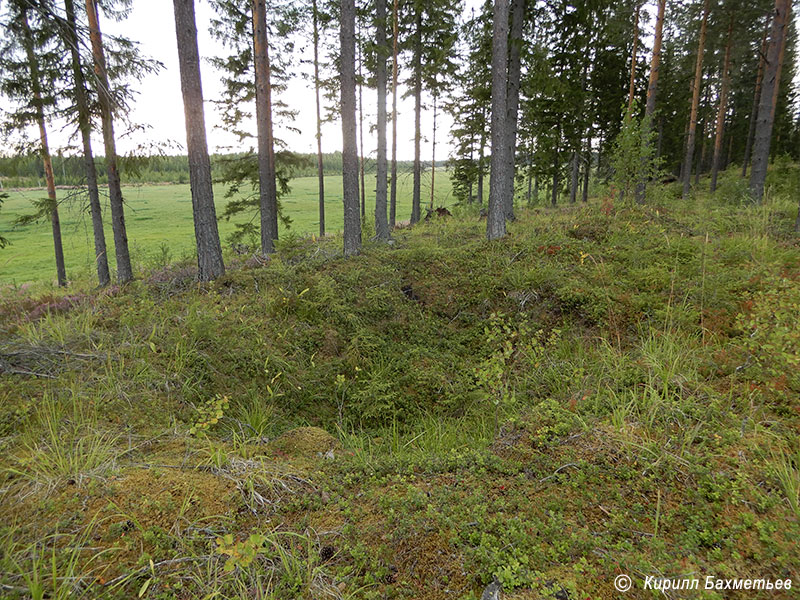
(766, 115)
(268, 191)
(496, 221)
(124, 267)
(512, 100)
(698, 78)
(723, 107)
(632, 86)
(320, 168)
(352, 221)
(362, 154)
(756, 97)
(415, 199)
(573, 183)
(433, 154)
(652, 90)
(85, 127)
(381, 222)
(209, 252)
(44, 150)
(395, 46)
(587, 167)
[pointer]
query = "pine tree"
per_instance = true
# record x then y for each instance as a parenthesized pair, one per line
(697, 81)
(124, 267)
(352, 222)
(381, 220)
(30, 68)
(766, 113)
(496, 221)
(209, 252)
(72, 40)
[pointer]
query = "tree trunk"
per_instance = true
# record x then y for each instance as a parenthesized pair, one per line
(362, 188)
(85, 127)
(124, 267)
(632, 87)
(652, 90)
(556, 168)
(268, 191)
(573, 183)
(433, 153)
(756, 97)
(352, 221)
(536, 187)
(723, 106)
(415, 200)
(496, 221)
(766, 115)
(38, 104)
(512, 100)
(395, 45)
(209, 251)
(381, 223)
(320, 168)
(587, 166)
(698, 78)
(480, 170)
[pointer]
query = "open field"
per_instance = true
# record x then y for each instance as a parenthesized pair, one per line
(159, 215)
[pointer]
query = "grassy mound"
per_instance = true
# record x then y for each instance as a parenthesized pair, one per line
(611, 389)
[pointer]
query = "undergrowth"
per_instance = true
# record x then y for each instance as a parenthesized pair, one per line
(611, 389)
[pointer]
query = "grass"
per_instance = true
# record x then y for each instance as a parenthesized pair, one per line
(610, 389)
(159, 224)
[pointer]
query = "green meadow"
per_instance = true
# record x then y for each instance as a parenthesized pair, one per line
(159, 223)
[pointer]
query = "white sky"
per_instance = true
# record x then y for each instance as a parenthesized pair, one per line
(160, 104)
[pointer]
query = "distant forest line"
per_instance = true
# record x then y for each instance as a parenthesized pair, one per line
(26, 171)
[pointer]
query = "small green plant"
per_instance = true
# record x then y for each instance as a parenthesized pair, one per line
(787, 470)
(209, 414)
(240, 554)
(633, 156)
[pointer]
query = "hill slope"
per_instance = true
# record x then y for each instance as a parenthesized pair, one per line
(611, 389)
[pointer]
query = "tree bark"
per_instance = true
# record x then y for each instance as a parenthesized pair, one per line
(512, 99)
(124, 267)
(352, 221)
(496, 221)
(573, 184)
(381, 222)
(766, 115)
(85, 127)
(268, 190)
(723, 106)
(587, 166)
(209, 252)
(698, 78)
(44, 150)
(652, 90)
(632, 87)
(416, 194)
(756, 97)
(395, 45)
(320, 168)
(433, 154)
(362, 154)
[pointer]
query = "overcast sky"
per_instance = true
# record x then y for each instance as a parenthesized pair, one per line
(160, 104)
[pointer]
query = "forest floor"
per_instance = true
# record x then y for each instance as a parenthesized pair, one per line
(612, 389)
